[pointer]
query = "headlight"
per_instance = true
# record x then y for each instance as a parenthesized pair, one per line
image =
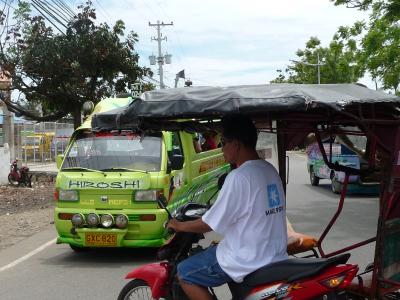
(107, 220)
(92, 220)
(147, 195)
(68, 195)
(121, 221)
(78, 220)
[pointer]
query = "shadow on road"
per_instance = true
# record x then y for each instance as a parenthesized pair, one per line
(102, 257)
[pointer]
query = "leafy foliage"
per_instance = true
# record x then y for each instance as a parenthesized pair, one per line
(380, 40)
(389, 8)
(338, 62)
(63, 70)
(373, 46)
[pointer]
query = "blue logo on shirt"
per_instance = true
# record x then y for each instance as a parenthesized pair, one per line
(273, 195)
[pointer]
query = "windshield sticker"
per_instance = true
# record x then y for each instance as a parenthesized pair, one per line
(127, 184)
(178, 180)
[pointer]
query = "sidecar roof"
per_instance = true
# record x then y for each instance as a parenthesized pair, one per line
(273, 100)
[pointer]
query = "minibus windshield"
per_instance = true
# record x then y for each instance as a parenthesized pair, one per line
(110, 152)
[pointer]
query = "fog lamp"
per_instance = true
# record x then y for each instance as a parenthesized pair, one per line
(78, 220)
(107, 220)
(92, 220)
(121, 221)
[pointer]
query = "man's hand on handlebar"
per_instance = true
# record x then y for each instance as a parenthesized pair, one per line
(196, 226)
(174, 225)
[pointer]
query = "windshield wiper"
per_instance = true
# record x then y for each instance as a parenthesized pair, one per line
(123, 169)
(83, 169)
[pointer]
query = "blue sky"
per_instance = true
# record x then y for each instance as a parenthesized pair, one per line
(220, 42)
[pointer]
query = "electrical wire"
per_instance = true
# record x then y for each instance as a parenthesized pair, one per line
(49, 13)
(64, 8)
(37, 7)
(9, 4)
(55, 11)
(103, 11)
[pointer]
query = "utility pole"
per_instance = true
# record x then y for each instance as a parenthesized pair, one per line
(161, 59)
(318, 65)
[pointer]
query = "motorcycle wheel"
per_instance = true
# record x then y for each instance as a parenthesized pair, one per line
(28, 181)
(314, 180)
(336, 186)
(12, 180)
(135, 290)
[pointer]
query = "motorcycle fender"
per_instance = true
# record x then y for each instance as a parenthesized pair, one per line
(156, 276)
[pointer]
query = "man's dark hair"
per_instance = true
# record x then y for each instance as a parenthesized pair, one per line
(241, 128)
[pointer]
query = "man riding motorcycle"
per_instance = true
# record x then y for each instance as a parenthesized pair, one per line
(249, 212)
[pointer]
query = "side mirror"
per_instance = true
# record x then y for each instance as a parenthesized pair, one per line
(60, 159)
(176, 161)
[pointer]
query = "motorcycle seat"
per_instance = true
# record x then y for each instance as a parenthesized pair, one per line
(293, 269)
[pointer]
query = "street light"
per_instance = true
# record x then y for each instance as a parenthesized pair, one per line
(318, 65)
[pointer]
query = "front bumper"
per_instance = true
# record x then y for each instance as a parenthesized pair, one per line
(137, 234)
(79, 242)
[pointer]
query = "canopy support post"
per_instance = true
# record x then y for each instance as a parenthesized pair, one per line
(281, 152)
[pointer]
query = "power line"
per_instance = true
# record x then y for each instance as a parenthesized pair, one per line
(48, 12)
(36, 6)
(173, 29)
(9, 4)
(51, 8)
(104, 12)
(64, 7)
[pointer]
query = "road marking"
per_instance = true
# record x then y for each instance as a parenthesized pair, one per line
(27, 256)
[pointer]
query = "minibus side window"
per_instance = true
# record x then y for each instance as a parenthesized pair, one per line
(175, 155)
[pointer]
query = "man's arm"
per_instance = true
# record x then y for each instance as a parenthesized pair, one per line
(196, 226)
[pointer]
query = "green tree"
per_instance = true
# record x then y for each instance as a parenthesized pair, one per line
(61, 71)
(380, 40)
(389, 8)
(339, 62)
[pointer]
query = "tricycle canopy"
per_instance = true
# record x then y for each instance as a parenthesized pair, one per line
(298, 105)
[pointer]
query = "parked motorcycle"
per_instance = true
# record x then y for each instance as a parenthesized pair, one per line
(19, 176)
(295, 278)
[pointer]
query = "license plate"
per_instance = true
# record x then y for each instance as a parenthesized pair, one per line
(101, 239)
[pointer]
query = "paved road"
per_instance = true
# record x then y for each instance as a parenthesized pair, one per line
(55, 272)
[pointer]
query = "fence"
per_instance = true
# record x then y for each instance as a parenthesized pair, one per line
(41, 142)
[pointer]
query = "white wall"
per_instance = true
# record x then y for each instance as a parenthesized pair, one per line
(4, 163)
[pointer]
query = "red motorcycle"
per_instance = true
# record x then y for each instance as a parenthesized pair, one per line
(295, 278)
(19, 176)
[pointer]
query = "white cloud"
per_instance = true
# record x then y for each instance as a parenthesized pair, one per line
(228, 42)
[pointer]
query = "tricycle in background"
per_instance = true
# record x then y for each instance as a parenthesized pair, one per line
(345, 152)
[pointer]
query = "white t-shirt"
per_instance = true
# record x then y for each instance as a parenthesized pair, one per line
(250, 214)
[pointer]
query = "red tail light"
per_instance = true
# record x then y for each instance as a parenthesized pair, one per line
(341, 280)
(56, 195)
(349, 277)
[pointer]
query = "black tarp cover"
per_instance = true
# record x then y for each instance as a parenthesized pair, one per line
(203, 102)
